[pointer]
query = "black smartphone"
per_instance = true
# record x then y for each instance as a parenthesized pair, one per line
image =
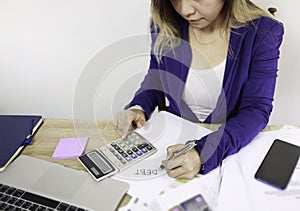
(279, 163)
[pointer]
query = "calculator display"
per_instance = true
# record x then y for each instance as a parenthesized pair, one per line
(100, 162)
(117, 155)
(97, 164)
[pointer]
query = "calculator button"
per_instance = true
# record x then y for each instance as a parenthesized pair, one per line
(149, 147)
(144, 150)
(133, 156)
(128, 158)
(115, 153)
(139, 153)
(135, 149)
(142, 146)
(120, 151)
(129, 152)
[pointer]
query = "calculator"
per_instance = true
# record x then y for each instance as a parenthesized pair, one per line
(116, 156)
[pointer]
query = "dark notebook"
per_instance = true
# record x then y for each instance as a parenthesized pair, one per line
(16, 132)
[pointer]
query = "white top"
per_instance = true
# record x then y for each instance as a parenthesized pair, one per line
(203, 88)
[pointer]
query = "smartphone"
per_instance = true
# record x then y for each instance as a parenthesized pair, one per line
(195, 203)
(279, 163)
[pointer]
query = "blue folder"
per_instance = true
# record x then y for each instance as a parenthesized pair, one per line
(16, 132)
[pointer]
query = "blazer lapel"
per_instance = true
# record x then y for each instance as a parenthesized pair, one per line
(237, 37)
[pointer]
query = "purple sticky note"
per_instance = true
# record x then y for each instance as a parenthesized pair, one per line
(69, 148)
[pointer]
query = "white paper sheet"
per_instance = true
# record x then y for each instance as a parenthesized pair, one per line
(241, 191)
(162, 130)
(230, 188)
(207, 185)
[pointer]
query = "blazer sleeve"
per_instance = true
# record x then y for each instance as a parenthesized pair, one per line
(255, 101)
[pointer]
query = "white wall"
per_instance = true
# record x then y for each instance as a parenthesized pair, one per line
(49, 48)
(287, 97)
(45, 46)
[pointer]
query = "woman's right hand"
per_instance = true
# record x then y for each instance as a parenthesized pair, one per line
(126, 120)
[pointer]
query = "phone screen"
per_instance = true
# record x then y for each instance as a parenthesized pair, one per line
(279, 163)
(195, 203)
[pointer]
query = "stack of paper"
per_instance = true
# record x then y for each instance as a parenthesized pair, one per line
(231, 187)
(151, 186)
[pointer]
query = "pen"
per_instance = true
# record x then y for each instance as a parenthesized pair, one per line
(188, 146)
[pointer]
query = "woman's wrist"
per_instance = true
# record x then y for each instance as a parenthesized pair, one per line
(138, 107)
(201, 163)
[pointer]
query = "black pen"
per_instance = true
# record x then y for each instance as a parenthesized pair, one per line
(188, 146)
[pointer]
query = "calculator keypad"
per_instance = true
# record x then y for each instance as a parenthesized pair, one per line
(131, 148)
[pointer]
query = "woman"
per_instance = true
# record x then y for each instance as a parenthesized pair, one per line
(234, 40)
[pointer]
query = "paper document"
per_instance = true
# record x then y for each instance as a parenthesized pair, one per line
(231, 187)
(241, 191)
(162, 130)
(206, 185)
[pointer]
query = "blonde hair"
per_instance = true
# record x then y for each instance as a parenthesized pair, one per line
(166, 21)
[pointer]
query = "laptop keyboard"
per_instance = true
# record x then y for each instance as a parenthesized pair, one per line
(14, 199)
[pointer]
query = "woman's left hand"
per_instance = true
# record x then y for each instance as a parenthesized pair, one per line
(186, 166)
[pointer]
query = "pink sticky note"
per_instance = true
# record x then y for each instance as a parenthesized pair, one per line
(69, 148)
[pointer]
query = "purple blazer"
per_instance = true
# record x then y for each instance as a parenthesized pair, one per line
(245, 104)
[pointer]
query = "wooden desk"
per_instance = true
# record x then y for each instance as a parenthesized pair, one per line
(99, 133)
(46, 139)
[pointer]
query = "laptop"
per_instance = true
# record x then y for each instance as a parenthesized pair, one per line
(43, 185)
